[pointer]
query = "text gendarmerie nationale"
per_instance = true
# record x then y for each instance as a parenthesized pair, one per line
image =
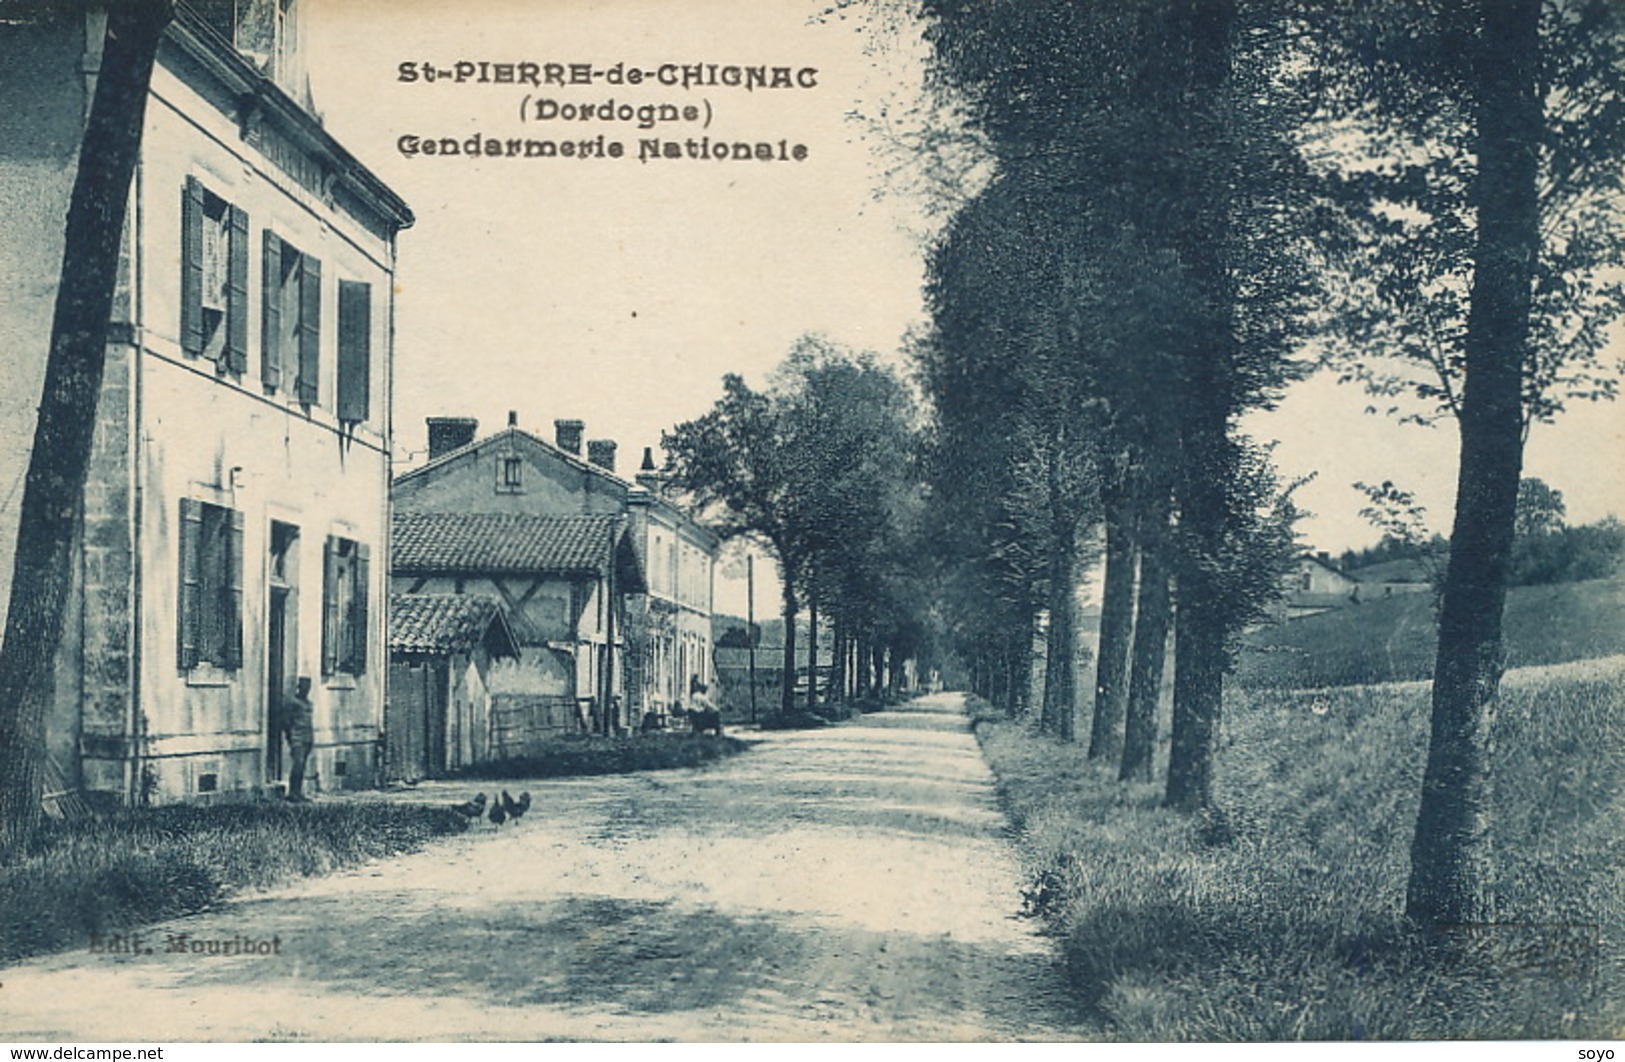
(563, 111)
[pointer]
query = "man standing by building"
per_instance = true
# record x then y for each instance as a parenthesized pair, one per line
(299, 721)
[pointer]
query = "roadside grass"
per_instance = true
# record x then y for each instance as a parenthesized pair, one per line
(115, 874)
(1394, 639)
(585, 754)
(1292, 929)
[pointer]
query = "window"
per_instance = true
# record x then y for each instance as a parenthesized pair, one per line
(288, 68)
(214, 279)
(290, 320)
(355, 350)
(344, 607)
(510, 474)
(211, 586)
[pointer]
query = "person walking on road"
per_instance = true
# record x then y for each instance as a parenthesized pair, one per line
(299, 721)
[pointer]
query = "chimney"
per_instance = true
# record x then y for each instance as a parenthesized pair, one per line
(450, 433)
(649, 477)
(567, 435)
(513, 418)
(601, 452)
(1325, 557)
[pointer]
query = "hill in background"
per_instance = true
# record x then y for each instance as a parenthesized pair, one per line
(1394, 639)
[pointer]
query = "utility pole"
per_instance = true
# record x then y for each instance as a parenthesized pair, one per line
(750, 624)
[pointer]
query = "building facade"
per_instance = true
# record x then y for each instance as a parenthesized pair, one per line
(235, 514)
(668, 629)
(564, 581)
(441, 651)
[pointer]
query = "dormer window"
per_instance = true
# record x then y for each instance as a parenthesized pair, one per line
(268, 33)
(510, 474)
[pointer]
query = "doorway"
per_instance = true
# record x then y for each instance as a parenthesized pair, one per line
(281, 640)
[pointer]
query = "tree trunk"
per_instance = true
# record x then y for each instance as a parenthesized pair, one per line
(787, 681)
(1061, 670)
(1021, 676)
(1208, 400)
(1116, 623)
(860, 667)
(57, 466)
(1451, 858)
(1150, 643)
(812, 649)
(877, 659)
(837, 661)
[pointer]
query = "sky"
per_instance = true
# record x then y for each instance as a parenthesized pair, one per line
(619, 292)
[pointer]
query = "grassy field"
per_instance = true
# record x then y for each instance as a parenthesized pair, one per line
(1393, 640)
(116, 874)
(1290, 929)
(593, 754)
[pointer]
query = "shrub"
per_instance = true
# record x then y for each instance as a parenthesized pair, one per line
(796, 720)
(583, 754)
(142, 866)
(1291, 929)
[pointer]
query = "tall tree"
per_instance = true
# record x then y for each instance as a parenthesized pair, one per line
(734, 463)
(814, 466)
(1485, 254)
(1451, 864)
(59, 461)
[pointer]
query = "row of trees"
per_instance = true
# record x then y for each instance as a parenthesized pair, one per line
(1191, 194)
(821, 469)
(1126, 287)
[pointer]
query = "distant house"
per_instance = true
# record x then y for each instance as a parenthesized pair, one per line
(1407, 575)
(667, 634)
(565, 581)
(733, 671)
(233, 533)
(441, 648)
(1317, 585)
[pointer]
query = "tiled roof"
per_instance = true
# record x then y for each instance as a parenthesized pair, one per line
(510, 543)
(439, 623)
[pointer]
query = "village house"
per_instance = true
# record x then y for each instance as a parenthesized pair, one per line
(1317, 585)
(564, 581)
(668, 626)
(235, 516)
(441, 650)
(1402, 575)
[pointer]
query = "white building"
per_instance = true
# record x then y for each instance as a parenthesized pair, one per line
(235, 518)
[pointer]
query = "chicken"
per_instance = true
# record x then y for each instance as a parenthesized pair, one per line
(472, 808)
(515, 808)
(496, 814)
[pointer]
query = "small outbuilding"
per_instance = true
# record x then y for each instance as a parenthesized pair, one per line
(441, 647)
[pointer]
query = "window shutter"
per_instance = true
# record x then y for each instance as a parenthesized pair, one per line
(271, 312)
(330, 606)
(310, 329)
(355, 355)
(237, 291)
(234, 593)
(361, 590)
(187, 617)
(192, 268)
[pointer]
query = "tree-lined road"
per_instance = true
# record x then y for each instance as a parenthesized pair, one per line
(848, 883)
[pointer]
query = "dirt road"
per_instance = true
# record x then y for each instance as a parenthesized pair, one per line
(845, 884)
